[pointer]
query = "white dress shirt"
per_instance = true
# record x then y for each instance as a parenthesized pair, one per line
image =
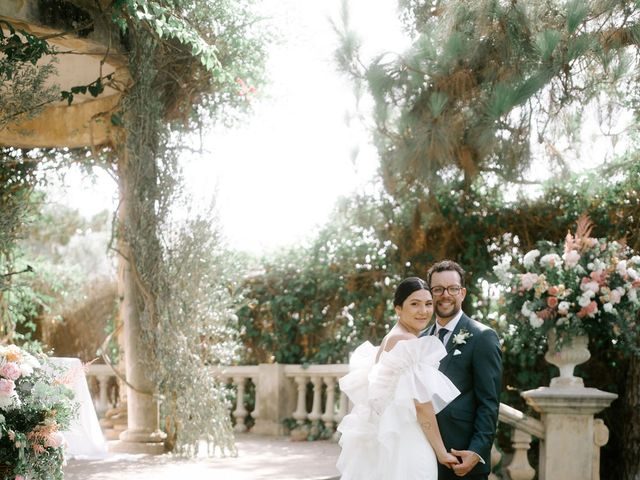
(451, 326)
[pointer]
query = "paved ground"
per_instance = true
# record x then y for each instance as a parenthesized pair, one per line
(259, 458)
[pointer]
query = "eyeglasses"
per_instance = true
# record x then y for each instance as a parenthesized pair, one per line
(451, 290)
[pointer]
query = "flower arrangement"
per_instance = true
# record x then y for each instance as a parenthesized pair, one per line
(584, 286)
(35, 407)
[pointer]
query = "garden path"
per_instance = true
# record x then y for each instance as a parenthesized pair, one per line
(259, 458)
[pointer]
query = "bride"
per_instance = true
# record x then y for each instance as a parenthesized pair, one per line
(396, 390)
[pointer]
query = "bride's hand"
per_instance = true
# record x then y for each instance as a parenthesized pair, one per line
(447, 459)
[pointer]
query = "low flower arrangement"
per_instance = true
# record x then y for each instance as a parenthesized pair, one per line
(584, 286)
(36, 406)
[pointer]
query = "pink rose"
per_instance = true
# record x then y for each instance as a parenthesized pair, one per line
(54, 439)
(588, 311)
(552, 302)
(571, 258)
(615, 296)
(10, 370)
(600, 277)
(528, 280)
(553, 290)
(19, 477)
(588, 284)
(7, 387)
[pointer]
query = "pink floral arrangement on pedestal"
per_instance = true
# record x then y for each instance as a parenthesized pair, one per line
(585, 285)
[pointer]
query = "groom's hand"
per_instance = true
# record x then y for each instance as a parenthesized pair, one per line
(469, 460)
(448, 460)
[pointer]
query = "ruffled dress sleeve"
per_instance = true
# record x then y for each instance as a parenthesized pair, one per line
(355, 383)
(410, 371)
(358, 429)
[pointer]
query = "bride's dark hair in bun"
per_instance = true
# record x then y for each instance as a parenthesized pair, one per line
(406, 287)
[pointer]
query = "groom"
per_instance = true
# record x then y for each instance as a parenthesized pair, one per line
(474, 364)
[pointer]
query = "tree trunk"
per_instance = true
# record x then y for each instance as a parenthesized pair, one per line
(631, 409)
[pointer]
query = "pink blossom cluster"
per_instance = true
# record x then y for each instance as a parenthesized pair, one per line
(591, 277)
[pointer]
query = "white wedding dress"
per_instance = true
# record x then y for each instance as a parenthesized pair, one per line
(381, 438)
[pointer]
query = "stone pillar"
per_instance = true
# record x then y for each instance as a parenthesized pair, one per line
(276, 396)
(567, 414)
(143, 434)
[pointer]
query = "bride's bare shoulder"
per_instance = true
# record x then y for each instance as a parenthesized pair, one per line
(395, 337)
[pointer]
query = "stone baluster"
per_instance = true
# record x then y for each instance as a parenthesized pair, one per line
(519, 468)
(256, 405)
(301, 409)
(496, 456)
(343, 406)
(240, 412)
(316, 408)
(329, 411)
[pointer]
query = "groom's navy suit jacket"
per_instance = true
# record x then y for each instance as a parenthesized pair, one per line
(469, 421)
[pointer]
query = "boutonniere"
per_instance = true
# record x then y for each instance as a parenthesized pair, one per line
(461, 337)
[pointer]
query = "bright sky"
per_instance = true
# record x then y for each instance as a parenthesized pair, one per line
(277, 176)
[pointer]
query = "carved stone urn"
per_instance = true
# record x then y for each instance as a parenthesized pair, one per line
(566, 355)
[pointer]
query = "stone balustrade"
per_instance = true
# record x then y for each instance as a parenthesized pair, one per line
(311, 394)
(524, 428)
(239, 378)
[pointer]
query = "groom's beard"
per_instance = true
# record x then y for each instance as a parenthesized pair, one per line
(448, 314)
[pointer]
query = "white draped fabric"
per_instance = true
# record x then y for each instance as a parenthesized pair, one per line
(85, 438)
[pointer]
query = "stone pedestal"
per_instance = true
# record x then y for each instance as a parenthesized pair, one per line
(567, 450)
(276, 396)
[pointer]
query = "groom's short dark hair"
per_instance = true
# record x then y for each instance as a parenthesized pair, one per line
(445, 266)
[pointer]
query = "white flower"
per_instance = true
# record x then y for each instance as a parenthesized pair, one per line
(635, 259)
(530, 258)
(502, 272)
(632, 273)
(571, 258)
(621, 268)
(551, 260)
(460, 338)
(633, 295)
(525, 309)
(584, 300)
(598, 265)
(535, 321)
(563, 307)
(608, 307)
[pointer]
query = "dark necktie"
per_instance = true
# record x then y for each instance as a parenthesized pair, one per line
(441, 334)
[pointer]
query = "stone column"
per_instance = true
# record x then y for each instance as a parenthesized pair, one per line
(143, 434)
(567, 414)
(276, 396)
